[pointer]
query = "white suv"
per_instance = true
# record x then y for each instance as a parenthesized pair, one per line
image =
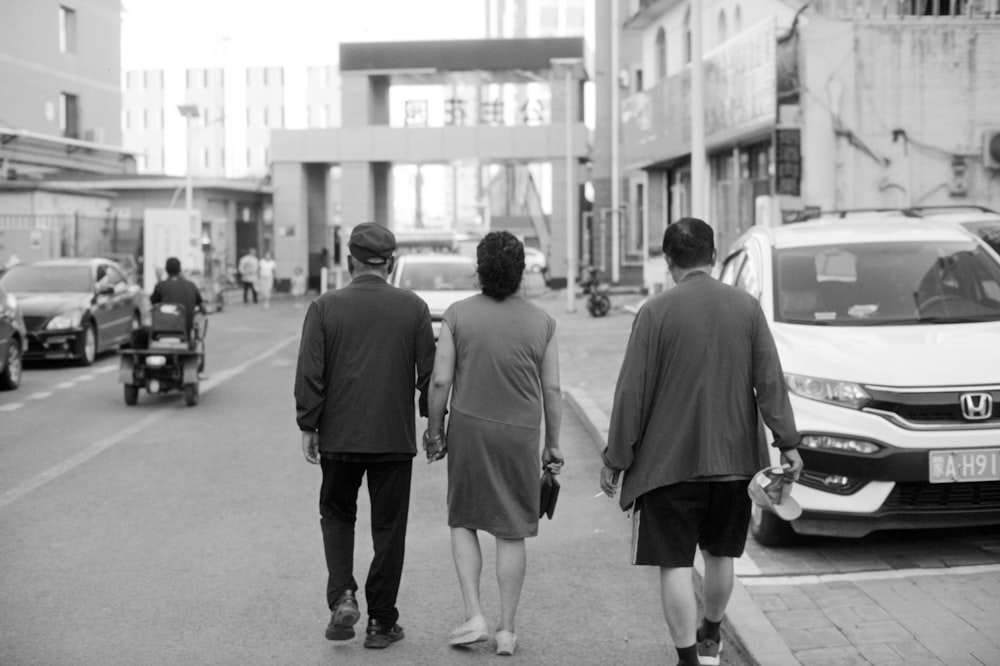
(888, 327)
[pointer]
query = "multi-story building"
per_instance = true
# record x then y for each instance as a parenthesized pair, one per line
(806, 106)
(59, 73)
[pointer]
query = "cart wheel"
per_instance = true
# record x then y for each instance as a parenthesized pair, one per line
(131, 394)
(191, 394)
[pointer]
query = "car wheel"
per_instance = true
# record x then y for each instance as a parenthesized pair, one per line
(770, 530)
(191, 394)
(131, 394)
(10, 378)
(88, 346)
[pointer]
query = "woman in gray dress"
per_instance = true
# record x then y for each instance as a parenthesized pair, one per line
(497, 358)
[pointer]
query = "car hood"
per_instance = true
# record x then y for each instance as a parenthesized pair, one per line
(45, 304)
(916, 355)
(438, 301)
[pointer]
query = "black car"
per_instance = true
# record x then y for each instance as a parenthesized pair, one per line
(13, 338)
(74, 308)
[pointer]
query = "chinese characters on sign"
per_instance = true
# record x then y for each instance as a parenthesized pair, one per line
(491, 112)
(416, 113)
(788, 161)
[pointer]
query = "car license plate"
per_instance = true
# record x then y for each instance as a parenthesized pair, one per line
(964, 466)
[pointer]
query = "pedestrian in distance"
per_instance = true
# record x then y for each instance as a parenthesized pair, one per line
(249, 266)
(699, 364)
(266, 270)
(298, 286)
(366, 349)
(498, 361)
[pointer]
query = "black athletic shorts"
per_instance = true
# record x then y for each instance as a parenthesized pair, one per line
(669, 523)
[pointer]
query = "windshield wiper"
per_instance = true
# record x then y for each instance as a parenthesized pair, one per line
(941, 319)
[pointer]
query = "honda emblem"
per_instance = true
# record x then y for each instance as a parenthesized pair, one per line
(976, 406)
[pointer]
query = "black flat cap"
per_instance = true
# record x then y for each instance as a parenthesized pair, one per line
(372, 244)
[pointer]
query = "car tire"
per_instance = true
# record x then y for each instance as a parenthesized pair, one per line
(10, 378)
(131, 394)
(191, 394)
(88, 345)
(770, 530)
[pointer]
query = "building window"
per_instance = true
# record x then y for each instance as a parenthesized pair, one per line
(575, 18)
(69, 115)
(264, 72)
(248, 76)
(249, 157)
(737, 20)
(282, 125)
(205, 158)
(249, 117)
(267, 119)
(204, 79)
(187, 79)
(126, 119)
(661, 54)
(548, 17)
(638, 80)
(67, 30)
(145, 119)
(723, 30)
(687, 36)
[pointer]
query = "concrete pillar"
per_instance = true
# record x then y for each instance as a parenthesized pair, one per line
(291, 230)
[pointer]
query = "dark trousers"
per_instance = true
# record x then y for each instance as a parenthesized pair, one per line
(389, 492)
(252, 288)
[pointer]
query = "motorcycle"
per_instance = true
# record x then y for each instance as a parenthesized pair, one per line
(598, 301)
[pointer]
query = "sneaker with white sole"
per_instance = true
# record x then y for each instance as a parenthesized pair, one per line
(474, 630)
(708, 652)
(506, 642)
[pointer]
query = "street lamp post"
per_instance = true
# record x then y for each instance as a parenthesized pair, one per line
(189, 111)
(569, 65)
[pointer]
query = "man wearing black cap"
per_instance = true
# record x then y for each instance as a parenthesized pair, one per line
(365, 350)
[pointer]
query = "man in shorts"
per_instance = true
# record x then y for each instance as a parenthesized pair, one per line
(684, 429)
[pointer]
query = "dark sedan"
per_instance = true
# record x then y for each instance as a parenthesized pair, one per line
(13, 338)
(74, 308)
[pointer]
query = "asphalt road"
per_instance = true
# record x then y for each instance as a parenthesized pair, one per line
(167, 534)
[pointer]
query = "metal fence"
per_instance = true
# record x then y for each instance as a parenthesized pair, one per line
(34, 237)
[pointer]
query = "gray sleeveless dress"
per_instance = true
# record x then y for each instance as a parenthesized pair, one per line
(495, 415)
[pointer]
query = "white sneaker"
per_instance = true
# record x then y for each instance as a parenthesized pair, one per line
(473, 631)
(506, 642)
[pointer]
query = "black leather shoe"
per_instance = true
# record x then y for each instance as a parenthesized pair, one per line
(345, 615)
(379, 635)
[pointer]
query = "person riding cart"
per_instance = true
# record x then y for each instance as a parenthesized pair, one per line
(178, 289)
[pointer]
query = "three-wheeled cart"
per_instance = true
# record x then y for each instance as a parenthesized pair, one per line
(164, 357)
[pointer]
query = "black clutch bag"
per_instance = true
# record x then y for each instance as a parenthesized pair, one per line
(550, 493)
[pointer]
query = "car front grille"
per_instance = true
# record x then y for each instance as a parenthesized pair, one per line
(930, 409)
(984, 495)
(35, 323)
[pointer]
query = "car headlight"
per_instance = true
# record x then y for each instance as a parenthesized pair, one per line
(845, 394)
(845, 444)
(65, 320)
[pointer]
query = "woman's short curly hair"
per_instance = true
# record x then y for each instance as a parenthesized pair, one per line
(500, 264)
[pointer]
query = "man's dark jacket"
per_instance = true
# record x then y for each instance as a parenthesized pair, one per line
(176, 289)
(365, 349)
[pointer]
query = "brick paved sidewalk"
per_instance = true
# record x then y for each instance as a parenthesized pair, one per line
(925, 614)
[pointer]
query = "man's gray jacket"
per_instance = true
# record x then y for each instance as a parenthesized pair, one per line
(699, 363)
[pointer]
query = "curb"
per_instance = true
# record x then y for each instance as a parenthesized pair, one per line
(758, 638)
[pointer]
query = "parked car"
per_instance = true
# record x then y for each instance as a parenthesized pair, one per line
(439, 279)
(982, 222)
(74, 308)
(13, 338)
(888, 329)
(534, 260)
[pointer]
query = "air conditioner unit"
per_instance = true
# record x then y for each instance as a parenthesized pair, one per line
(94, 135)
(991, 149)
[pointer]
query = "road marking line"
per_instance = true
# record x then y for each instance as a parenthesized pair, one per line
(66, 385)
(104, 444)
(11, 406)
(41, 395)
(85, 378)
(817, 579)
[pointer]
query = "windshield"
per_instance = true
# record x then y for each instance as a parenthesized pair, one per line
(47, 278)
(444, 276)
(886, 283)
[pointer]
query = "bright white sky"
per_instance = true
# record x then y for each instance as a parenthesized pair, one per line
(184, 33)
